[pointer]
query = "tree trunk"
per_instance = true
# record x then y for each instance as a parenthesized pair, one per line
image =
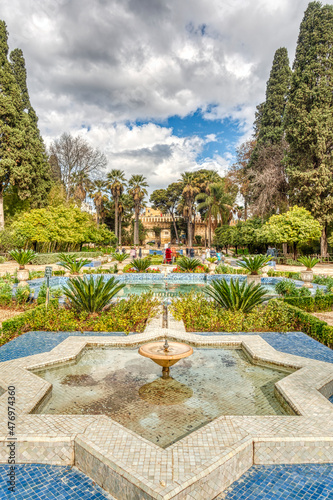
(209, 230)
(295, 250)
(205, 235)
(188, 230)
(119, 233)
(175, 227)
(136, 226)
(116, 217)
(2, 218)
(323, 242)
(284, 248)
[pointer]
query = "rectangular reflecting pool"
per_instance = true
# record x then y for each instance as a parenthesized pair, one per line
(129, 389)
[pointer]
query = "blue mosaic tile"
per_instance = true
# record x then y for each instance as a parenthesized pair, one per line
(50, 482)
(283, 482)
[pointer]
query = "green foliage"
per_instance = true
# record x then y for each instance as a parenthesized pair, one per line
(308, 118)
(53, 258)
(120, 257)
(58, 225)
(284, 274)
(254, 264)
(55, 293)
(187, 264)
(211, 259)
(36, 274)
(22, 257)
(126, 316)
(70, 263)
(22, 294)
(295, 226)
(308, 262)
(5, 293)
(324, 280)
(198, 239)
(201, 315)
(317, 302)
(224, 269)
(91, 295)
(141, 265)
(23, 159)
(2, 260)
(288, 288)
(236, 296)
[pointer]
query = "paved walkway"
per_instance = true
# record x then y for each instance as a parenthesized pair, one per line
(280, 482)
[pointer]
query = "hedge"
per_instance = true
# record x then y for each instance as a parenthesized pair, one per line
(13, 327)
(313, 303)
(311, 325)
(53, 258)
(284, 274)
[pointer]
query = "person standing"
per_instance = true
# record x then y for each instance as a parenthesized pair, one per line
(140, 252)
(207, 253)
(132, 253)
(203, 257)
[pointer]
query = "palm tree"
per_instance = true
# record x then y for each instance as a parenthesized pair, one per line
(116, 183)
(190, 190)
(137, 190)
(83, 185)
(98, 197)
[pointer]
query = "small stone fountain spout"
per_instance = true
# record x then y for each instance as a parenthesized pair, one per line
(166, 354)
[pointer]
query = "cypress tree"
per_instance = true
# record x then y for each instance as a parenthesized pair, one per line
(271, 122)
(265, 166)
(20, 165)
(309, 117)
(40, 183)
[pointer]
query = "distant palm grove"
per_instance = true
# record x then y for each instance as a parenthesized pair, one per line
(278, 191)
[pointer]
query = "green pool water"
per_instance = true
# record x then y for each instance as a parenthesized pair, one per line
(171, 289)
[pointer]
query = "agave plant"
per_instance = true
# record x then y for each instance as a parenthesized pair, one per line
(70, 263)
(254, 264)
(120, 257)
(91, 295)
(22, 257)
(188, 264)
(236, 296)
(141, 265)
(308, 262)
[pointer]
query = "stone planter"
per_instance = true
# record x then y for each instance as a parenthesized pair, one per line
(212, 268)
(307, 277)
(23, 274)
(253, 278)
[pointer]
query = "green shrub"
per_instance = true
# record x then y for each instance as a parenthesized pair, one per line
(324, 280)
(308, 262)
(22, 294)
(236, 296)
(284, 274)
(2, 260)
(141, 265)
(59, 273)
(288, 288)
(55, 293)
(90, 294)
(120, 257)
(5, 293)
(188, 264)
(126, 316)
(22, 257)
(254, 264)
(53, 258)
(317, 302)
(70, 263)
(36, 274)
(201, 315)
(225, 269)
(292, 262)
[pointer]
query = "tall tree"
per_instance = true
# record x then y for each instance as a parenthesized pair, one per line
(41, 173)
(309, 117)
(167, 201)
(23, 162)
(239, 172)
(189, 192)
(72, 157)
(99, 197)
(116, 183)
(137, 190)
(267, 172)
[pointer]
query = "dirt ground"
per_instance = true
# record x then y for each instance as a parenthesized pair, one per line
(7, 314)
(325, 316)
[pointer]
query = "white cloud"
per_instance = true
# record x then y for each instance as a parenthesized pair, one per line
(103, 64)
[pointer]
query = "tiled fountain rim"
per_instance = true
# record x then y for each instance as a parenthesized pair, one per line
(190, 462)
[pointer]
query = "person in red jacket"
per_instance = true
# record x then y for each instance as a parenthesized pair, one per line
(168, 255)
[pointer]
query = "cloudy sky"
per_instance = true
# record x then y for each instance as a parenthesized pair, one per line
(160, 86)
